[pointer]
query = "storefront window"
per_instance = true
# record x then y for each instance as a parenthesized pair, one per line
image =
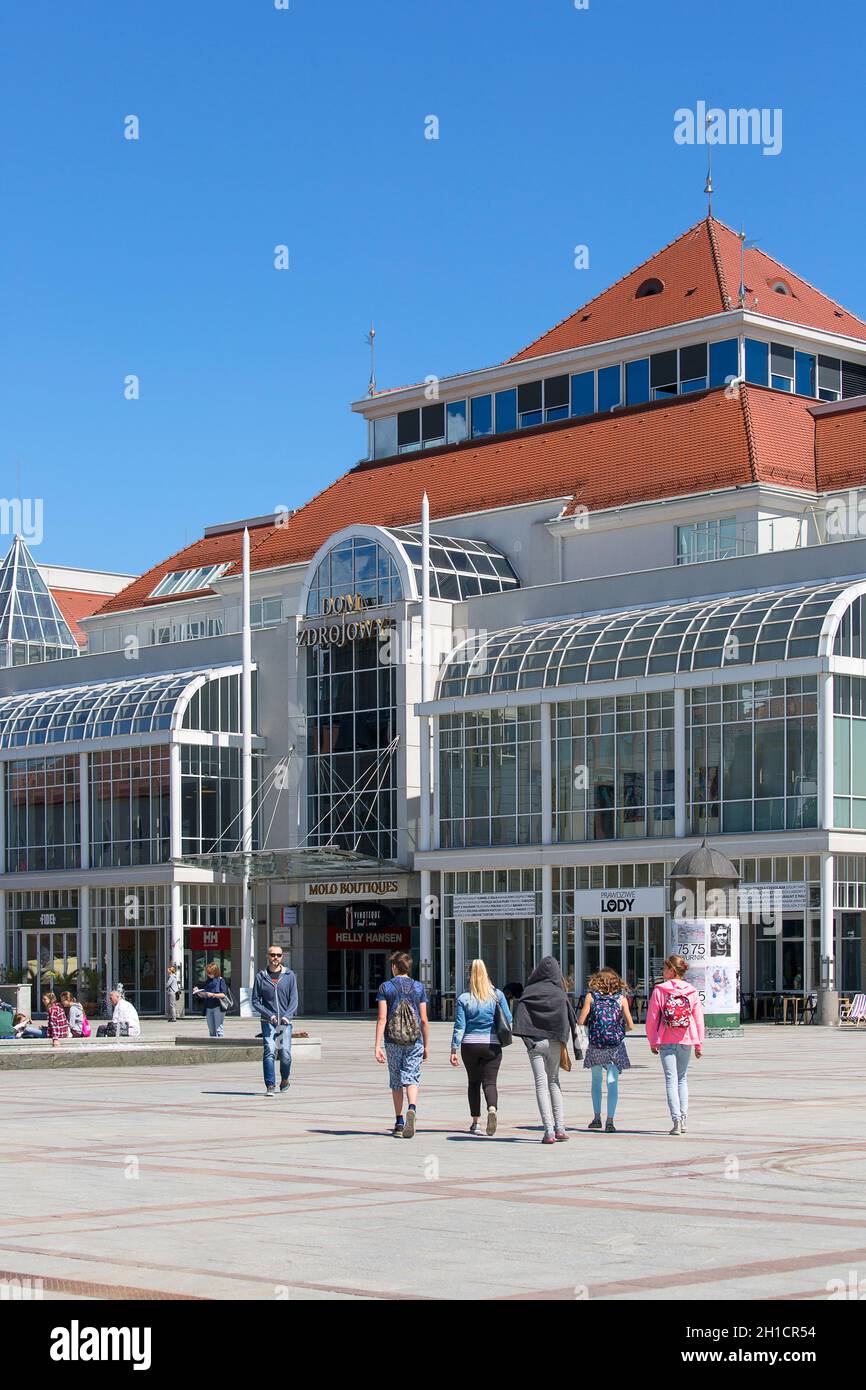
(490, 777)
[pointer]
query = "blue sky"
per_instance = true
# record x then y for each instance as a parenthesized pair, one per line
(306, 127)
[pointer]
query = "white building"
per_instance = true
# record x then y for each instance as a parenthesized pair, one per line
(647, 580)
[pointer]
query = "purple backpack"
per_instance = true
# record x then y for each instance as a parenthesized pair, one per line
(606, 1025)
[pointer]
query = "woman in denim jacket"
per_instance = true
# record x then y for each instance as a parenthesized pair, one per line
(480, 1049)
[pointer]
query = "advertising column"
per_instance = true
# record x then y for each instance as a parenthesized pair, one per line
(705, 931)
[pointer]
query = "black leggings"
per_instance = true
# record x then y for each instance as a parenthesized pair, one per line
(482, 1062)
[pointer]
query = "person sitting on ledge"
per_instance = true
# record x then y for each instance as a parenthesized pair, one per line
(124, 1020)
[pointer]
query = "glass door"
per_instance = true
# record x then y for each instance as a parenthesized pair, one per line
(613, 948)
(377, 971)
(591, 952)
(51, 957)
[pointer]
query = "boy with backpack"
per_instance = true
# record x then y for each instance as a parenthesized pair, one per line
(403, 1028)
(675, 1025)
(608, 1018)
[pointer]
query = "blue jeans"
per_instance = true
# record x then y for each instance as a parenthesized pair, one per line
(215, 1022)
(675, 1061)
(271, 1040)
(612, 1089)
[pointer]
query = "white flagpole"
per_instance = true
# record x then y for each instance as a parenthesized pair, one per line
(248, 944)
(426, 922)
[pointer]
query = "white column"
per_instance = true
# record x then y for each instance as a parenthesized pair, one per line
(680, 818)
(546, 910)
(427, 771)
(175, 954)
(437, 809)
(546, 775)
(84, 892)
(425, 965)
(248, 927)
(459, 961)
(828, 998)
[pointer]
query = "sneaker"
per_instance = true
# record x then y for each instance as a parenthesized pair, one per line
(473, 1128)
(409, 1127)
(399, 1126)
(678, 1127)
(284, 1086)
(270, 1090)
(548, 1139)
(610, 1127)
(595, 1124)
(560, 1136)
(491, 1121)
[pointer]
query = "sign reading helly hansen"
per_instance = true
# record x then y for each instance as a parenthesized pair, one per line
(344, 889)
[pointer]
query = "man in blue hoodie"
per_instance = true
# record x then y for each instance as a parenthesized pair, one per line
(275, 1000)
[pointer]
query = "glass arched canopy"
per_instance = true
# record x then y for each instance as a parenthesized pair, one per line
(778, 625)
(147, 705)
(361, 565)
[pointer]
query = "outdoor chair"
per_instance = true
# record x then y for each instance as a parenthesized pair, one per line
(853, 1013)
(810, 1007)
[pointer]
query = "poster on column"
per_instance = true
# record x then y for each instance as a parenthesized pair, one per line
(711, 948)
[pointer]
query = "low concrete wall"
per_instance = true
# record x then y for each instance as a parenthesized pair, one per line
(39, 1055)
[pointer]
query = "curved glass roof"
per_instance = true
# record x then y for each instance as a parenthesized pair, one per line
(143, 706)
(359, 565)
(773, 626)
(459, 568)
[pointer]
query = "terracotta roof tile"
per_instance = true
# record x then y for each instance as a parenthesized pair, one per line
(840, 448)
(75, 604)
(210, 550)
(700, 272)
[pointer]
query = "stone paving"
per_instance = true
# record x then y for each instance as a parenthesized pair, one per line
(160, 1182)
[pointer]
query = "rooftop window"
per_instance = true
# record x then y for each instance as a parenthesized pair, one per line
(649, 287)
(188, 581)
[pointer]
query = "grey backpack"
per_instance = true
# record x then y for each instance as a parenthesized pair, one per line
(403, 1026)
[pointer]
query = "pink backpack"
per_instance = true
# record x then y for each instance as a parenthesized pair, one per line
(676, 1010)
(85, 1025)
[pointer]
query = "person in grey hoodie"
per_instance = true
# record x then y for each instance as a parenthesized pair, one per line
(275, 1000)
(545, 1019)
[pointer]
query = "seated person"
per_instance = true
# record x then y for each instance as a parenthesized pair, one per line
(24, 1027)
(124, 1020)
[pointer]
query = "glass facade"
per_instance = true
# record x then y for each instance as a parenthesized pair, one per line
(355, 567)
(32, 627)
(129, 807)
(613, 764)
(849, 752)
(715, 539)
(351, 757)
(43, 814)
(753, 756)
(210, 800)
(490, 771)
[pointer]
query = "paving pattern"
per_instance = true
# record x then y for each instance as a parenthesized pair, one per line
(162, 1182)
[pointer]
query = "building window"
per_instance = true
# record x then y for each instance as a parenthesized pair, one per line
(804, 373)
(757, 362)
(351, 760)
(583, 394)
(753, 759)
(422, 427)
(356, 568)
(385, 437)
(530, 403)
(211, 790)
(781, 367)
(613, 768)
(829, 378)
(637, 382)
(215, 708)
(188, 581)
(482, 416)
(724, 362)
(490, 770)
(609, 388)
(506, 411)
(693, 368)
(129, 807)
(663, 374)
(849, 752)
(649, 287)
(715, 539)
(457, 427)
(43, 814)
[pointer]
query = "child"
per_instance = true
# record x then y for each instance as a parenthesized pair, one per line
(57, 1027)
(608, 1018)
(675, 1026)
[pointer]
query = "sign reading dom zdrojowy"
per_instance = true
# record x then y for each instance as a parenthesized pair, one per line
(349, 629)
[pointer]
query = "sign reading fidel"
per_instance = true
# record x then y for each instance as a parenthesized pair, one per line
(349, 629)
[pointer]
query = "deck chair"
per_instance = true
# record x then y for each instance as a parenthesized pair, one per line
(810, 1007)
(853, 1013)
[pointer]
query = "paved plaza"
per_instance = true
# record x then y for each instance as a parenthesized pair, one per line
(173, 1182)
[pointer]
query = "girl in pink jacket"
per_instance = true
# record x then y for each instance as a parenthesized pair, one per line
(675, 1025)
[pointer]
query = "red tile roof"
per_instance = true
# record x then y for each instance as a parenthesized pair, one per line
(840, 446)
(75, 604)
(700, 272)
(211, 550)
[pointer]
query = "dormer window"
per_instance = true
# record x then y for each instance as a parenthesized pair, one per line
(781, 287)
(189, 581)
(648, 287)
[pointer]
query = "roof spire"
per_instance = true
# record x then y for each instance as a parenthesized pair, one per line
(744, 246)
(708, 186)
(370, 340)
